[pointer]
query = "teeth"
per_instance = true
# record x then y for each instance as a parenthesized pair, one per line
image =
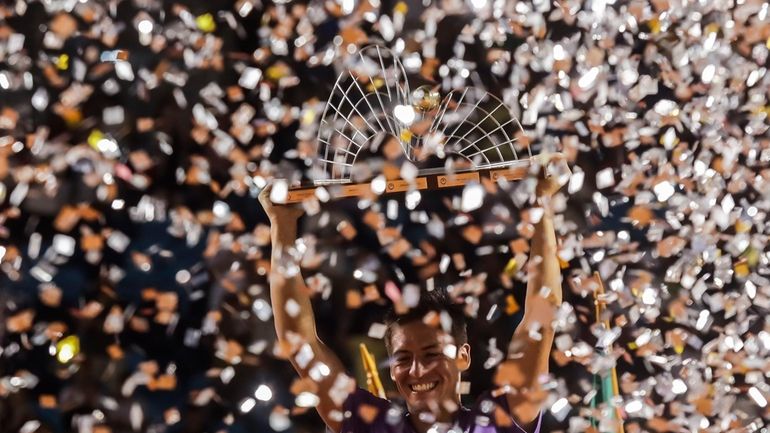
(422, 387)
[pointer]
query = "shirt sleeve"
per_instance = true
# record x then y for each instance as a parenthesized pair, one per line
(363, 411)
(507, 424)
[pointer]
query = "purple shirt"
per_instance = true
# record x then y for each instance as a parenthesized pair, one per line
(361, 406)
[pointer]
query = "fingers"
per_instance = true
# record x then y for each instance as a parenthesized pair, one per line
(554, 172)
(558, 167)
(544, 160)
(276, 210)
(268, 193)
(264, 195)
(268, 187)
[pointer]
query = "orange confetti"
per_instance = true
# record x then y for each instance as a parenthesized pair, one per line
(368, 413)
(20, 322)
(511, 306)
(353, 299)
(47, 401)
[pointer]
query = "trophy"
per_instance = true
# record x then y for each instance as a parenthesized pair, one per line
(373, 124)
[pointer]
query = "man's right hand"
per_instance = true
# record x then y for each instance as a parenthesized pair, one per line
(278, 213)
(283, 289)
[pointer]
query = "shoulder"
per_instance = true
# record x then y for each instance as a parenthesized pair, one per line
(360, 396)
(365, 412)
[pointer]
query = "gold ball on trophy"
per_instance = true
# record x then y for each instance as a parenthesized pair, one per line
(425, 98)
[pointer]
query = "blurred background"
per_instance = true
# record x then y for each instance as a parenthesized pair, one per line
(136, 135)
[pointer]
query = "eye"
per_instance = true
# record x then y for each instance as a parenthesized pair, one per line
(433, 355)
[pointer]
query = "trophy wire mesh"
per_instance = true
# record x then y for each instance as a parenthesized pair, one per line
(371, 100)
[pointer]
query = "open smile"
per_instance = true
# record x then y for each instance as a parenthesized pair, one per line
(423, 387)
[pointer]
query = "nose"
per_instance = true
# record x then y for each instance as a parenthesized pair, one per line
(418, 368)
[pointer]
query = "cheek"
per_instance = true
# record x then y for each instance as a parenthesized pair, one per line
(397, 374)
(448, 368)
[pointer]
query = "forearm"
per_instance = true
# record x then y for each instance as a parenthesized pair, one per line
(546, 271)
(293, 312)
(531, 344)
(288, 289)
(530, 348)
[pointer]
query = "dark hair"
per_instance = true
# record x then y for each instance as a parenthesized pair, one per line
(435, 301)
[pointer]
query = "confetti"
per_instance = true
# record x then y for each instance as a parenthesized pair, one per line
(114, 56)
(263, 393)
(154, 135)
(377, 330)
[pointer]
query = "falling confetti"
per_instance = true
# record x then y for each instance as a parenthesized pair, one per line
(136, 138)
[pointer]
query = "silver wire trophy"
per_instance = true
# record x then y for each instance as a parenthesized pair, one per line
(461, 138)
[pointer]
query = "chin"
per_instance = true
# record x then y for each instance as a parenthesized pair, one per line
(427, 401)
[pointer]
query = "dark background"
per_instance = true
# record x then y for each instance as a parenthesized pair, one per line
(217, 350)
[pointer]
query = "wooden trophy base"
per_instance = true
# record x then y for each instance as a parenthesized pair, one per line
(426, 180)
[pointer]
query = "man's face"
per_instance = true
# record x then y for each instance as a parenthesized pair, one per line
(425, 366)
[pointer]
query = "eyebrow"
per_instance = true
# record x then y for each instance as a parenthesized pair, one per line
(402, 351)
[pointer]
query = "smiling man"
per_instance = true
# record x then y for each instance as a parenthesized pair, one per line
(427, 361)
(428, 352)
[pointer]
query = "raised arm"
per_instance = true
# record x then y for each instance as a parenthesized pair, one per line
(530, 347)
(294, 318)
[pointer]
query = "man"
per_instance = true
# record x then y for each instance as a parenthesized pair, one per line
(427, 358)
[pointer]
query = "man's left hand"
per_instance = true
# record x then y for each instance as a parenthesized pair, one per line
(554, 173)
